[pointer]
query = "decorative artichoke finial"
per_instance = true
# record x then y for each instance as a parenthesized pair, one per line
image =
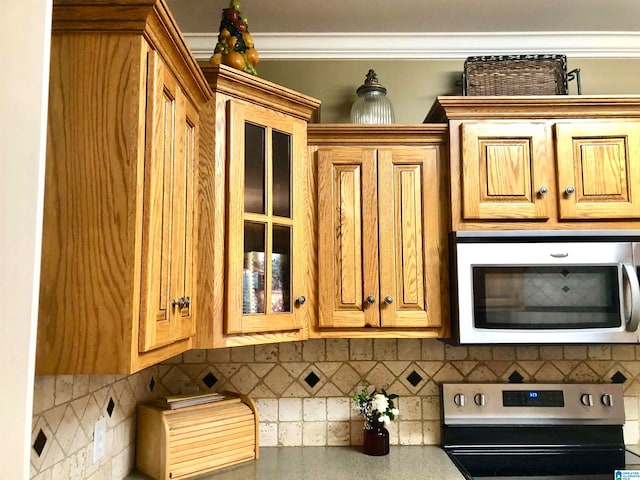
(371, 83)
(371, 77)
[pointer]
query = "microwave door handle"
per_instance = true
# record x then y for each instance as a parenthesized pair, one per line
(633, 317)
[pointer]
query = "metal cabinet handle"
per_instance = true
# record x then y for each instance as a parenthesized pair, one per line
(371, 299)
(301, 300)
(181, 303)
(631, 317)
(543, 190)
(388, 300)
(569, 190)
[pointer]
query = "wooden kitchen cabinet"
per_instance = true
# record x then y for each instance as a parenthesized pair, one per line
(543, 162)
(118, 255)
(254, 271)
(598, 165)
(381, 245)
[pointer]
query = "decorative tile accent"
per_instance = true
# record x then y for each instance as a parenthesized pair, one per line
(152, 384)
(312, 379)
(39, 444)
(515, 377)
(110, 406)
(566, 288)
(209, 380)
(414, 378)
(564, 272)
(618, 378)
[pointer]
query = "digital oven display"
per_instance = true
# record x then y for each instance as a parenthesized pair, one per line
(532, 398)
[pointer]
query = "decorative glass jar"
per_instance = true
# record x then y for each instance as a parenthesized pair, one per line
(372, 105)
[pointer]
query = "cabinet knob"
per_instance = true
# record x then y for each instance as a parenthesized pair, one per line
(543, 190)
(371, 299)
(181, 303)
(388, 300)
(569, 190)
(301, 300)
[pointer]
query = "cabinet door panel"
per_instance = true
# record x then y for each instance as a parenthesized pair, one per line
(157, 326)
(409, 219)
(598, 172)
(184, 222)
(264, 277)
(503, 169)
(347, 238)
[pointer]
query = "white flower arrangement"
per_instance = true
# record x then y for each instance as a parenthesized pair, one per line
(375, 407)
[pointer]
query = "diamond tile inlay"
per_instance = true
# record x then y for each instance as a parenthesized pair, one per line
(111, 406)
(564, 272)
(618, 378)
(41, 441)
(565, 289)
(152, 384)
(414, 378)
(515, 377)
(312, 379)
(209, 380)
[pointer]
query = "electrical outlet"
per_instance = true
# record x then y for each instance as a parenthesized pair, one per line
(99, 439)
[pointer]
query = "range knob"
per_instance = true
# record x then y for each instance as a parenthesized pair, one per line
(607, 400)
(586, 399)
(480, 399)
(459, 399)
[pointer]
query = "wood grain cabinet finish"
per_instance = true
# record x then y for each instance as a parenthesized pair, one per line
(565, 162)
(506, 170)
(117, 274)
(380, 255)
(598, 165)
(253, 235)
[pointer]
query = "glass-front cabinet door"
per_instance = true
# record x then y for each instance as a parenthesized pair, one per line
(266, 268)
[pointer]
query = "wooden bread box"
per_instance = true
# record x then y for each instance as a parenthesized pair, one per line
(192, 440)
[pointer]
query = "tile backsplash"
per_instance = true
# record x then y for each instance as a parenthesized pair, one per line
(303, 392)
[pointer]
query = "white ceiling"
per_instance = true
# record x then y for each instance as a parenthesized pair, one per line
(366, 28)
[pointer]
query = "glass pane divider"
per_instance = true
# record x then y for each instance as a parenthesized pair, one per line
(268, 274)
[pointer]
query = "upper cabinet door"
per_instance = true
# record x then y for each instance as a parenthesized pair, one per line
(347, 238)
(266, 267)
(505, 171)
(598, 169)
(165, 315)
(409, 249)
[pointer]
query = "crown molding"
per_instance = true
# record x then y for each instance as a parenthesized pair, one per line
(429, 45)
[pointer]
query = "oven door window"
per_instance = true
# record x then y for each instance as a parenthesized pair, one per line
(546, 297)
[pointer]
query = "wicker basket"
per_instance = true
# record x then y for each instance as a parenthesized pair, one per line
(517, 75)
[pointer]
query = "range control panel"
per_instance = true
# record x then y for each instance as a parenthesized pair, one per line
(534, 404)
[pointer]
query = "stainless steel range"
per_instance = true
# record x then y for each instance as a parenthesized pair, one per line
(536, 431)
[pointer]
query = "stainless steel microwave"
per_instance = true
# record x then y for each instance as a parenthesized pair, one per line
(545, 287)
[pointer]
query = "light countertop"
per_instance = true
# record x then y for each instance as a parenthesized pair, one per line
(338, 463)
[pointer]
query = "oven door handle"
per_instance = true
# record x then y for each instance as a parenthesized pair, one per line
(631, 315)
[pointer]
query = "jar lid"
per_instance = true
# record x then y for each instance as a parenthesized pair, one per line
(371, 84)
